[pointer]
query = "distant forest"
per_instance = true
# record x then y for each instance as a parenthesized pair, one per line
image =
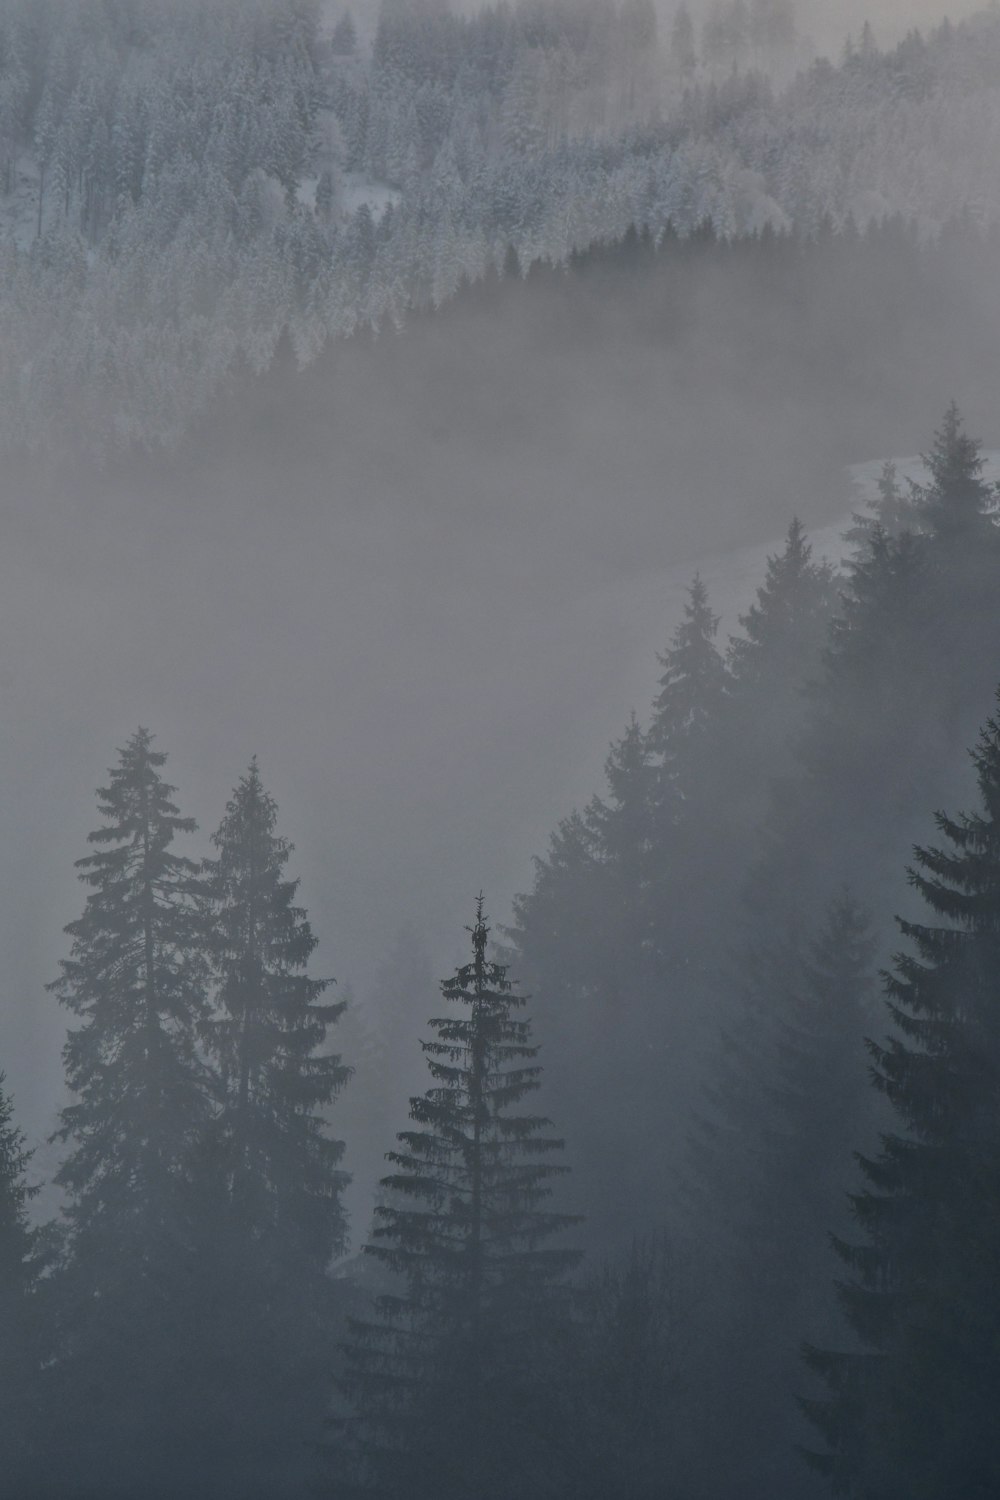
(702, 941)
(184, 186)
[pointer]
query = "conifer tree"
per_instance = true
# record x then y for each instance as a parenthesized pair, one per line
(911, 1409)
(780, 650)
(957, 503)
(267, 1037)
(136, 980)
(271, 1214)
(767, 1168)
(448, 1378)
(692, 691)
(20, 1345)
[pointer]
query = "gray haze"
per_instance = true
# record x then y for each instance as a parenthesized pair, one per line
(425, 585)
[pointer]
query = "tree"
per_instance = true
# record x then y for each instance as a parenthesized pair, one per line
(344, 41)
(136, 979)
(910, 1410)
(20, 1346)
(628, 1381)
(767, 1168)
(281, 1169)
(272, 1217)
(692, 691)
(957, 503)
(448, 1379)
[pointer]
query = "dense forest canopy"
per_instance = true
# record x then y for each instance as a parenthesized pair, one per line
(184, 185)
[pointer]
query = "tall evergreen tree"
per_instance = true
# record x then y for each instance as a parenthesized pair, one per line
(272, 1217)
(770, 663)
(692, 690)
(448, 1379)
(268, 1035)
(911, 1409)
(768, 1160)
(136, 979)
(957, 502)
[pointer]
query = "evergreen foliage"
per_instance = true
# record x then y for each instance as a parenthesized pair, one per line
(448, 1379)
(910, 1410)
(769, 1163)
(189, 138)
(21, 1347)
(268, 1039)
(270, 1214)
(136, 979)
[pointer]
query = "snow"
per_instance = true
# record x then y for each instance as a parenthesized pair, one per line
(357, 189)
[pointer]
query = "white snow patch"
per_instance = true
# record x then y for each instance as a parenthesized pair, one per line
(357, 189)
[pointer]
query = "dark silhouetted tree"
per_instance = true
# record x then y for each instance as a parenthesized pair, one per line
(21, 1347)
(273, 1218)
(136, 980)
(911, 1409)
(449, 1378)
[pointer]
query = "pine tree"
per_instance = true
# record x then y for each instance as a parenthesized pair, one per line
(136, 979)
(344, 40)
(957, 503)
(780, 651)
(766, 1169)
(911, 1409)
(448, 1379)
(267, 1038)
(271, 1215)
(785, 628)
(693, 688)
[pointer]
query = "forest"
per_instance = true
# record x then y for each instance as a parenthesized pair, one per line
(504, 507)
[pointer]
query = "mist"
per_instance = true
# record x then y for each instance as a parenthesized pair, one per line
(536, 484)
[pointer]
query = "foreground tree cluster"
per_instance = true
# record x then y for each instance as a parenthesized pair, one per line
(703, 940)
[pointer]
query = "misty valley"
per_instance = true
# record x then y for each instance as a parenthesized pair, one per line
(501, 742)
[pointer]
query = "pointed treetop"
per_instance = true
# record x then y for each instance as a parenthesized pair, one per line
(958, 501)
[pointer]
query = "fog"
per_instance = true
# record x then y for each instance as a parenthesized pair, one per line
(425, 584)
(562, 476)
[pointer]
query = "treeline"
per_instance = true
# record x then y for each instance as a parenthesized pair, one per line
(703, 937)
(186, 185)
(702, 940)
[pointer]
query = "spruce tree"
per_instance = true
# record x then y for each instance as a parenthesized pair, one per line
(767, 1170)
(269, 1173)
(692, 691)
(136, 980)
(770, 663)
(911, 1409)
(267, 1037)
(448, 1378)
(957, 502)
